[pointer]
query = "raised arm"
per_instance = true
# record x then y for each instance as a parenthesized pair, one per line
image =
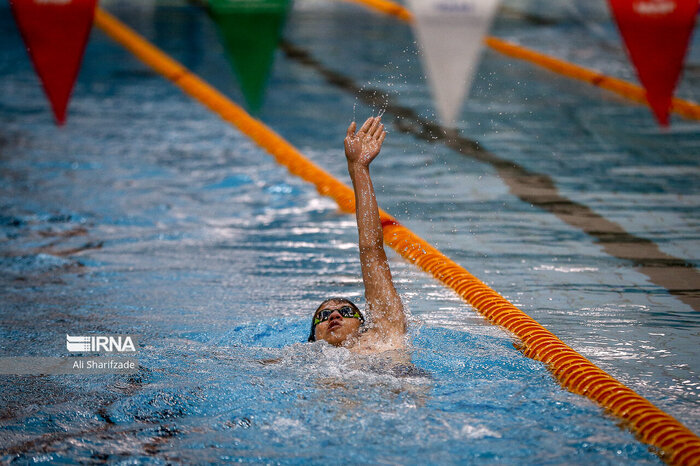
(384, 302)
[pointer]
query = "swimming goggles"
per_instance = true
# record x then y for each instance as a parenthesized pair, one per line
(345, 311)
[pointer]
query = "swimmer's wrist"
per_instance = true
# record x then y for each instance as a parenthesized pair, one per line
(357, 166)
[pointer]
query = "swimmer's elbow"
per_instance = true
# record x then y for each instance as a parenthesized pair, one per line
(371, 247)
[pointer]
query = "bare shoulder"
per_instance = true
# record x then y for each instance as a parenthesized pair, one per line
(378, 340)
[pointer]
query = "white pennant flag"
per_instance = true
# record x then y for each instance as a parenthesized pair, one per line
(450, 35)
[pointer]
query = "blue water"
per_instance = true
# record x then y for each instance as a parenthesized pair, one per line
(148, 215)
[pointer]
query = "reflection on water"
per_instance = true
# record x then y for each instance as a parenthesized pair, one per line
(146, 215)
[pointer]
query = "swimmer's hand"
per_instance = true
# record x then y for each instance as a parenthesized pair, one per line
(362, 147)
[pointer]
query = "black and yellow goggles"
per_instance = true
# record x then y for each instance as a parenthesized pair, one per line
(346, 311)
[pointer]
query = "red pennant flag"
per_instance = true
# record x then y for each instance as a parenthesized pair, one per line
(55, 33)
(656, 33)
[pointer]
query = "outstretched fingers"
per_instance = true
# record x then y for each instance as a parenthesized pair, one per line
(381, 138)
(373, 129)
(378, 131)
(351, 129)
(365, 127)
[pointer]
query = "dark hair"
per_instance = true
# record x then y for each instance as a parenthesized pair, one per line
(312, 335)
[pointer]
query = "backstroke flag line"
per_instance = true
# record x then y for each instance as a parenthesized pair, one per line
(55, 33)
(656, 33)
(250, 31)
(450, 34)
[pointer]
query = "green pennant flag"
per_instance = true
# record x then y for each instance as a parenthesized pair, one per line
(250, 31)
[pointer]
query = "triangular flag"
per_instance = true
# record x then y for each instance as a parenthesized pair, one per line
(450, 34)
(250, 31)
(55, 33)
(656, 33)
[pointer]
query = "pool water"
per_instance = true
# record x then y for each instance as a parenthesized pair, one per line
(148, 215)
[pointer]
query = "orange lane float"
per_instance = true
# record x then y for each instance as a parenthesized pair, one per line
(628, 90)
(387, 7)
(677, 444)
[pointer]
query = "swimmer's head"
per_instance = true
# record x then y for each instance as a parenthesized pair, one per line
(336, 320)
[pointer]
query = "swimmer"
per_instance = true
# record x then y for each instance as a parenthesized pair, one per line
(337, 320)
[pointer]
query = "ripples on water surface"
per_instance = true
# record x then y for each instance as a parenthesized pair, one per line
(147, 215)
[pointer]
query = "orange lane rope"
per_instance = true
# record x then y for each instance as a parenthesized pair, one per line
(623, 88)
(678, 444)
(387, 7)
